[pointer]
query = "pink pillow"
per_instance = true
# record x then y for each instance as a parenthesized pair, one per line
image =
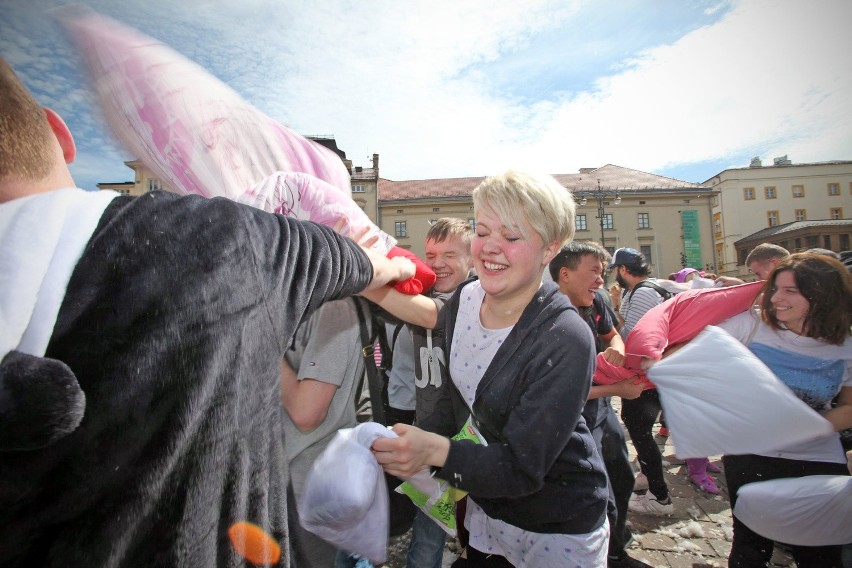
(676, 321)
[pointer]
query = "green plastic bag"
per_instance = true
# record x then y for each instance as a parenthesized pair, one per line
(436, 497)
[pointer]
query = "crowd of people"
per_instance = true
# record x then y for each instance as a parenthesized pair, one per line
(173, 366)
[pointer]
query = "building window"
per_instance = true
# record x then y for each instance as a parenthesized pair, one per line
(358, 189)
(770, 192)
(798, 191)
(436, 210)
(835, 213)
(748, 193)
(772, 217)
(826, 242)
(798, 243)
(813, 241)
(801, 215)
(844, 242)
(644, 220)
(401, 229)
(472, 222)
(153, 184)
(580, 223)
(834, 189)
(607, 221)
(400, 211)
(646, 252)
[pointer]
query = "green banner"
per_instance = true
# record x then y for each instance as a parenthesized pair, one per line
(691, 238)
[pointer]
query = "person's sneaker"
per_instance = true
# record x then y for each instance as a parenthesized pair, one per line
(663, 432)
(640, 483)
(647, 504)
(625, 561)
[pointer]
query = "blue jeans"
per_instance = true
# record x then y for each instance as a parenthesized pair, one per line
(426, 549)
(346, 560)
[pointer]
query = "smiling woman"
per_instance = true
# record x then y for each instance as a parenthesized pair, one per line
(803, 336)
(520, 360)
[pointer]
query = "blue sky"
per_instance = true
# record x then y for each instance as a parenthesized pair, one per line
(682, 88)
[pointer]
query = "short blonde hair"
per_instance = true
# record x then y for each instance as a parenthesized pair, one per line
(547, 206)
(26, 140)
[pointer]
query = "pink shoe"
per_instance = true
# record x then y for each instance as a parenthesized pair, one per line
(697, 469)
(705, 483)
(713, 468)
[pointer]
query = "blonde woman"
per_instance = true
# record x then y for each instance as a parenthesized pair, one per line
(520, 360)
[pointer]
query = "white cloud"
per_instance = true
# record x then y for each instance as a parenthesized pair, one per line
(421, 82)
(768, 75)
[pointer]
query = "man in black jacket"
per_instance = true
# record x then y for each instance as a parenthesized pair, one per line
(578, 271)
(152, 330)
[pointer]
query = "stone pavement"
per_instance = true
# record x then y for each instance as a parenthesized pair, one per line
(699, 532)
(697, 535)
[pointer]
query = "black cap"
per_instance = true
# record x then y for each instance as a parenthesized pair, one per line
(627, 257)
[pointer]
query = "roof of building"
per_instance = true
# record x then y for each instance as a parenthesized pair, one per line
(610, 177)
(784, 164)
(794, 226)
(363, 174)
(328, 141)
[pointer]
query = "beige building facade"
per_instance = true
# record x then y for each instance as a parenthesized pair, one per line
(711, 226)
(798, 206)
(143, 180)
(662, 217)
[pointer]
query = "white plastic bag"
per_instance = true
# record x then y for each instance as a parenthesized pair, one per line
(345, 500)
(815, 510)
(719, 398)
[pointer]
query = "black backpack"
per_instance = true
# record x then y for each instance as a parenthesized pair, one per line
(376, 406)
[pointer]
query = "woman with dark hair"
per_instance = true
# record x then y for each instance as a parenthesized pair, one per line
(802, 333)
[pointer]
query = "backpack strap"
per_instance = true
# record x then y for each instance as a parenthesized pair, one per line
(375, 383)
(665, 294)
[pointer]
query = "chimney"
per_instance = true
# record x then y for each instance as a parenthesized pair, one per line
(782, 161)
(376, 163)
(755, 162)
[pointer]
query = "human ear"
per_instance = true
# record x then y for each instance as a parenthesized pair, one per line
(550, 251)
(63, 135)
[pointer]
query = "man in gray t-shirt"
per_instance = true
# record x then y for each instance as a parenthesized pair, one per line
(318, 379)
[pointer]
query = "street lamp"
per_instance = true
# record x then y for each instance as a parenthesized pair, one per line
(600, 195)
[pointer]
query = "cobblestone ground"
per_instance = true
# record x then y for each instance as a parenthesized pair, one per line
(698, 535)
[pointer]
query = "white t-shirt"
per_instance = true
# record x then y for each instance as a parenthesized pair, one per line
(766, 339)
(473, 348)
